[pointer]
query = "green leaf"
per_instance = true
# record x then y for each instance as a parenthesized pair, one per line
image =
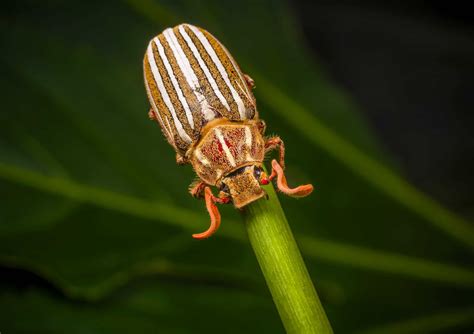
(433, 323)
(154, 305)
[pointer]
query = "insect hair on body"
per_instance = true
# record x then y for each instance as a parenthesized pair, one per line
(207, 112)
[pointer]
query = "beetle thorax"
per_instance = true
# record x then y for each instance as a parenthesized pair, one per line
(225, 147)
(222, 154)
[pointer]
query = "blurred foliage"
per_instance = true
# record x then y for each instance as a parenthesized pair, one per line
(95, 219)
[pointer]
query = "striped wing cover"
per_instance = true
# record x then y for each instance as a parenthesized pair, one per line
(192, 79)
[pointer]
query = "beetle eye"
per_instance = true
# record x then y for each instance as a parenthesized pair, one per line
(257, 172)
(225, 188)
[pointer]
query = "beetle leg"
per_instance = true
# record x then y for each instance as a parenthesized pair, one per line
(151, 115)
(273, 143)
(223, 198)
(180, 160)
(261, 126)
(213, 212)
(196, 188)
(300, 191)
(250, 82)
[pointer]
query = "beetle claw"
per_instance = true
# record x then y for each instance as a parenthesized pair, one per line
(300, 191)
(213, 212)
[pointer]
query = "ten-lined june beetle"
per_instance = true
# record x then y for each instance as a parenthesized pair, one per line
(205, 107)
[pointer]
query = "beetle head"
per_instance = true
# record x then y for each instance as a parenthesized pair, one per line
(244, 185)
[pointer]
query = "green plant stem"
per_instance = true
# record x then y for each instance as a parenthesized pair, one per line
(283, 267)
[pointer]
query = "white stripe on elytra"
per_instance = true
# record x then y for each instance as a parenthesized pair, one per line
(203, 66)
(228, 154)
(201, 157)
(220, 67)
(155, 111)
(249, 98)
(169, 126)
(183, 101)
(164, 94)
(245, 90)
(189, 74)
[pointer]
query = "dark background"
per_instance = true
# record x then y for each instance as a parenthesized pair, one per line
(410, 65)
(95, 219)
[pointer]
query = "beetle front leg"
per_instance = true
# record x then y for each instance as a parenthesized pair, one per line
(196, 189)
(180, 160)
(300, 191)
(274, 143)
(211, 201)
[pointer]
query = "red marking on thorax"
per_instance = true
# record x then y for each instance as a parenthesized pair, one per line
(219, 144)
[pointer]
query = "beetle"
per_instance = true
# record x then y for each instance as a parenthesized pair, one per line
(207, 112)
